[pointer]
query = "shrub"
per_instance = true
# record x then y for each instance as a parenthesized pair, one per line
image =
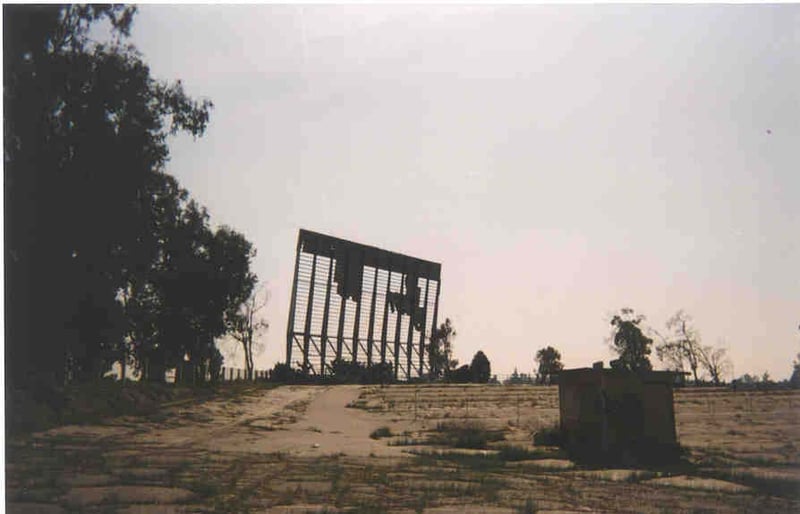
(459, 375)
(381, 432)
(469, 434)
(349, 372)
(548, 436)
(284, 374)
(480, 369)
(529, 507)
(509, 452)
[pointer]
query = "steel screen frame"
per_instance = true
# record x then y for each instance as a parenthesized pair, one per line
(360, 303)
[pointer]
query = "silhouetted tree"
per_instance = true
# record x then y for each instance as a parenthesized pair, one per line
(85, 131)
(716, 362)
(632, 346)
(748, 379)
(247, 323)
(517, 378)
(681, 345)
(440, 350)
(795, 378)
(480, 369)
(283, 373)
(216, 364)
(204, 280)
(549, 364)
(352, 372)
(459, 375)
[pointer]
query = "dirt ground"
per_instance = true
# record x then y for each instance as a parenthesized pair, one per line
(379, 449)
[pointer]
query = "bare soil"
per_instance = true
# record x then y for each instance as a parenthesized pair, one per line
(380, 449)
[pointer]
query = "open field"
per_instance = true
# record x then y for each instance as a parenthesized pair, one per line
(428, 448)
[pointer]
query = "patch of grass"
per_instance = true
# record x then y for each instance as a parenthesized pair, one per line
(409, 441)
(42, 407)
(466, 434)
(548, 436)
(636, 477)
(529, 507)
(381, 432)
(774, 486)
(369, 507)
(473, 462)
(357, 404)
(511, 453)
(204, 488)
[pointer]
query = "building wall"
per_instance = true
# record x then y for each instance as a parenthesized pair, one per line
(607, 412)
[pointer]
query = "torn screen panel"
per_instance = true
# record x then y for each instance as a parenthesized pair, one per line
(377, 306)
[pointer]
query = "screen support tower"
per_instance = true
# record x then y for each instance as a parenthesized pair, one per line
(358, 303)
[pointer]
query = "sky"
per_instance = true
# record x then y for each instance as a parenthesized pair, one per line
(560, 162)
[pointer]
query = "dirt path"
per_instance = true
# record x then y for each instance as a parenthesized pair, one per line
(304, 420)
(328, 427)
(133, 462)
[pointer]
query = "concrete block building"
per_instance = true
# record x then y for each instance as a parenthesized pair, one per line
(617, 415)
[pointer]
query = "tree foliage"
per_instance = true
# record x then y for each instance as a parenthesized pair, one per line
(480, 369)
(549, 364)
(716, 362)
(681, 346)
(440, 350)
(352, 372)
(107, 258)
(795, 378)
(517, 378)
(246, 324)
(459, 375)
(628, 341)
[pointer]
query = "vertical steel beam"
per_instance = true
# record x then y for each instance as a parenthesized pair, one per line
(410, 337)
(325, 313)
(397, 331)
(422, 330)
(385, 317)
(342, 308)
(358, 314)
(309, 312)
(436, 306)
(409, 344)
(371, 332)
(290, 325)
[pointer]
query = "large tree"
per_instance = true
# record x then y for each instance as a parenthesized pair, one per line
(85, 131)
(549, 364)
(201, 279)
(628, 341)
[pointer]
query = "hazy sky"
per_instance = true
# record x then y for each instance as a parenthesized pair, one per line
(561, 162)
